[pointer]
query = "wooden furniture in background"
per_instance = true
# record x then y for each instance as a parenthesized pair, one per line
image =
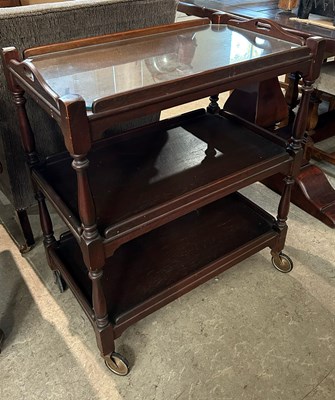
(9, 3)
(155, 211)
(287, 5)
(322, 122)
(312, 191)
(319, 7)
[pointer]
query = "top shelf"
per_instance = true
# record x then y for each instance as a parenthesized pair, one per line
(105, 80)
(126, 64)
(127, 75)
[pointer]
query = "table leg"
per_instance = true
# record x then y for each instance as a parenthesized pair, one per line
(2, 338)
(26, 230)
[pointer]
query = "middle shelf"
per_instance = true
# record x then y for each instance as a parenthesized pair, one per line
(145, 178)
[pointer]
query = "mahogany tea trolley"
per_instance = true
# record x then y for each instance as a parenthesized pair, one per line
(155, 211)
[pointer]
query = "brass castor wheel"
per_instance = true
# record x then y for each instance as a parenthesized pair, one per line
(117, 364)
(282, 263)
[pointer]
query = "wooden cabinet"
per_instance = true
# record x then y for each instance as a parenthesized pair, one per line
(155, 211)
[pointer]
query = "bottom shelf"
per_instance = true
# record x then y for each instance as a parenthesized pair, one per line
(158, 267)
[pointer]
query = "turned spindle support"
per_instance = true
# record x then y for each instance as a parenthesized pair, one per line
(91, 242)
(45, 220)
(76, 131)
(99, 301)
(27, 137)
(213, 107)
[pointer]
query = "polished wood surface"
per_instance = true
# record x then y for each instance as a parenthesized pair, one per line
(170, 187)
(176, 251)
(153, 212)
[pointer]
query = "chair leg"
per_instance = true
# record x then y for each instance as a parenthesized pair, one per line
(2, 338)
(26, 230)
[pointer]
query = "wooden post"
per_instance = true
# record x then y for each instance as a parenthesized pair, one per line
(27, 137)
(76, 131)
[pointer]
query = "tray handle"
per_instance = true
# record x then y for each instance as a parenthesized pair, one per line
(266, 27)
(26, 75)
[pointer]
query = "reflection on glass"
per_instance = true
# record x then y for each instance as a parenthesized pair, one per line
(241, 48)
(109, 69)
(175, 64)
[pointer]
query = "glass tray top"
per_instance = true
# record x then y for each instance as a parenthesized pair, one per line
(102, 70)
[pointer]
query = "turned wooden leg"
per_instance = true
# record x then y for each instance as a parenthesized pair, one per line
(26, 230)
(2, 338)
(213, 107)
(283, 209)
(27, 136)
(313, 110)
(98, 299)
(292, 89)
(280, 260)
(48, 235)
(94, 258)
(104, 331)
(45, 220)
